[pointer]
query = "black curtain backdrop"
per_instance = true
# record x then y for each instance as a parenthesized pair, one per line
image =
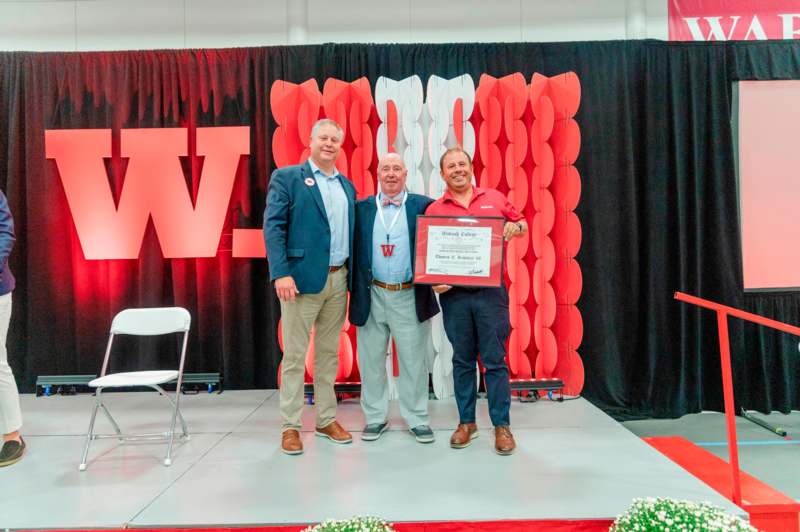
(658, 208)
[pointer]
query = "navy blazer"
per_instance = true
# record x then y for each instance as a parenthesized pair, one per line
(7, 238)
(296, 230)
(360, 299)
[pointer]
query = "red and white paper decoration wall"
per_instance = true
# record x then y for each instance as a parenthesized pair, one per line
(527, 145)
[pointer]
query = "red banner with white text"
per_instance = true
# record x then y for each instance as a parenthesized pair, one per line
(733, 20)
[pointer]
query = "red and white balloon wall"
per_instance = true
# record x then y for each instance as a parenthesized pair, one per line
(527, 144)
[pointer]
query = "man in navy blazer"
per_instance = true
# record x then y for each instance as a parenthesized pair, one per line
(384, 301)
(308, 231)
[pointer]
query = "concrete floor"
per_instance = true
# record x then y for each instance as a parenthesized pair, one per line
(766, 456)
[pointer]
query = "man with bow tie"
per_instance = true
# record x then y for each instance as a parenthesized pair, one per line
(384, 302)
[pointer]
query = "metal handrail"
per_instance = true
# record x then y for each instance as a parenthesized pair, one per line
(723, 311)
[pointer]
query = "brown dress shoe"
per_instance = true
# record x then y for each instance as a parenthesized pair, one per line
(463, 436)
(291, 442)
(503, 440)
(335, 433)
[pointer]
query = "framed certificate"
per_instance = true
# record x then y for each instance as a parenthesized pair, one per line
(459, 250)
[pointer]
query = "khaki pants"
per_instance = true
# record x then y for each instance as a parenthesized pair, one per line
(10, 416)
(325, 312)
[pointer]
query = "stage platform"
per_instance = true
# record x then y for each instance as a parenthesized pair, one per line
(573, 462)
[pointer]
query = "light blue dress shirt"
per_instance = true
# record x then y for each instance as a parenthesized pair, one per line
(336, 209)
(397, 267)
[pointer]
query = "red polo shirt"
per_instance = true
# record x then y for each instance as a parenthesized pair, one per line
(484, 202)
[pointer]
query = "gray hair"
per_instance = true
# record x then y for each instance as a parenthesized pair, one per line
(390, 154)
(326, 122)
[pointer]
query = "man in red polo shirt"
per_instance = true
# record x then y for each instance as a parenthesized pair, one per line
(476, 319)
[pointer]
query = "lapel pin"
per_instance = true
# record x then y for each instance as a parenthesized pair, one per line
(309, 181)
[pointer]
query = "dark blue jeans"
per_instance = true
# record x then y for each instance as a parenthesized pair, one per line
(476, 321)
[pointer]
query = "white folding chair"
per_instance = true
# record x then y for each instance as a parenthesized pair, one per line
(142, 322)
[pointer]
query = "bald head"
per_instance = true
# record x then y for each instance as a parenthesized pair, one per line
(392, 174)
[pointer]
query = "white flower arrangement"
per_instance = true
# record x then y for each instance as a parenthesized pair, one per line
(670, 515)
(354, 524)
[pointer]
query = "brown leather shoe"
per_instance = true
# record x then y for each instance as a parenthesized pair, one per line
(291, 442)
(335, 433)
(504, 443)
(463, 436)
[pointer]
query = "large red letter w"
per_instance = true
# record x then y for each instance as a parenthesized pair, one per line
(154, 186)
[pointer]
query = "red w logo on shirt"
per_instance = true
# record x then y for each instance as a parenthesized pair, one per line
(387, 249)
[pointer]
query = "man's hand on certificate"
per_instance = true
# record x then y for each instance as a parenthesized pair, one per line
(285, 288)
(441, 288)
(514, 229)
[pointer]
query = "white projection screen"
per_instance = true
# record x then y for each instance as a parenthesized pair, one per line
(767, 128)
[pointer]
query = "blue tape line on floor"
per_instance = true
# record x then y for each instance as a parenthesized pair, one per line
(747, 443)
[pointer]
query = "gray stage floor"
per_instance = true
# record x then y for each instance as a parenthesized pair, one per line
(573, 462)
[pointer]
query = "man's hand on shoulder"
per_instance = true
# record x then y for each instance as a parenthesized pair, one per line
(285, 288)
(363, 202)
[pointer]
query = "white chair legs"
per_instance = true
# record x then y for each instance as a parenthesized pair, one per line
(168, 436)
(89, 433)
